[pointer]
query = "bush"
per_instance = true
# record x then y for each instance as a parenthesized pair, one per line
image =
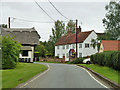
(109, 58)
(10, 52)
(77, 61)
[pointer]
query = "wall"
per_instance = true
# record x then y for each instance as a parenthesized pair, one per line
(85, 51)
(30, 54)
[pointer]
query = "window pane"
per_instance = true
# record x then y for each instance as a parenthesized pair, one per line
(25, 53)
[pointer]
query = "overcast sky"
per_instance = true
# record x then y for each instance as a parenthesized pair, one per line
(89, 13)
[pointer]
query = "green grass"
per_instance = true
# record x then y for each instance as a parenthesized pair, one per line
(23, 72)
(105, 71)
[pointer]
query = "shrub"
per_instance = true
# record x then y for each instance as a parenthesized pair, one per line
(109, 58)
(77, 61)
(10, 52)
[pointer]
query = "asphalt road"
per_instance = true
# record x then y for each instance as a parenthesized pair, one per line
(63, 76)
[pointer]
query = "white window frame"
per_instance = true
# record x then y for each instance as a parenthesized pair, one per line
(80, 54)
(63, 46)
(67, 46)
(80, 45)
(73, 46)
(57, 47)
(87, 46)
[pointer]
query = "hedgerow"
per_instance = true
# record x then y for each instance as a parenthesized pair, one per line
(109, 58)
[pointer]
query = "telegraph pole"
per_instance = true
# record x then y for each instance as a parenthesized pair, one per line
(8, 22)
(76, 37)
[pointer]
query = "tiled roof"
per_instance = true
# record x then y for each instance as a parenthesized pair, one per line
(111, 45)
(71, 38)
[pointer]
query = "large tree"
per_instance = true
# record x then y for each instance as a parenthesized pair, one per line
(71, 26)
(112, 20)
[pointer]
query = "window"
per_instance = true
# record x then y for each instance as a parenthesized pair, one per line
(58, 55)
(86, 45)
(73, 46)
(67, 47)
(63, 47)
(67, 55)
(80, 45)
(80, 54)
(57, 47)
(25, 53)
(63, 54)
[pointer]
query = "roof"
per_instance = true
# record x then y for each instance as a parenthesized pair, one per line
(22, 35)
(111, 45)
(70, 38)
(26, 48)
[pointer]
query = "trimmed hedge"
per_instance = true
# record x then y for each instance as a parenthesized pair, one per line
(108, 58)
(77, 61)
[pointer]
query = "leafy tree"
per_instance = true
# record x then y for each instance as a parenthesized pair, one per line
(112, 20)
(41, 49)
(94, 43)
(57, 31)
(3, 25)
(71, 26)
(10, 52)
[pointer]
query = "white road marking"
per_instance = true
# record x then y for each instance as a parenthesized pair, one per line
(93, 77)
(36, 77)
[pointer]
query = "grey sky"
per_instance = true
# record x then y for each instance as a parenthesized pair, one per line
(89, 13)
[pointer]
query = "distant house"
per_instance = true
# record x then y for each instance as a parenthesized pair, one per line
(109, 45)
(28, 37)
(66, 45)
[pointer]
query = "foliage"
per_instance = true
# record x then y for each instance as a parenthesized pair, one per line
(41, 49)
(112, 20)
(3, 25)
(71, 26)
(57, 31)
(94, 43)
(10, 52)
(77, 61)
(109, 58)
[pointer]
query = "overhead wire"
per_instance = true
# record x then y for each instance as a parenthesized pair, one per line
(59, 11)
(44, 10)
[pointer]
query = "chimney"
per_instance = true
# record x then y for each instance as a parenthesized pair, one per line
(79, 29)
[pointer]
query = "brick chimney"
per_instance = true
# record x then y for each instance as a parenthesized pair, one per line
(79, 29)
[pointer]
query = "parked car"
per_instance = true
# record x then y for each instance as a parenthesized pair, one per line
(87, 61)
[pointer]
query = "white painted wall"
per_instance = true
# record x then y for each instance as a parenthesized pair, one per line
(30, 54)
(85, 51)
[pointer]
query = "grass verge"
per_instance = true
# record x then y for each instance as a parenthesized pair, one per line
(105, 71)
(23, 72)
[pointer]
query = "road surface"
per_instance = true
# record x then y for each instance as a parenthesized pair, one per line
(63, 76)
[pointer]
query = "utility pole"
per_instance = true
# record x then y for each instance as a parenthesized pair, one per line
(8, 22)
(76, 37)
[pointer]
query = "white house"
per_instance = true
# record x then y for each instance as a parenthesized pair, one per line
(28, 37)
(67, 43)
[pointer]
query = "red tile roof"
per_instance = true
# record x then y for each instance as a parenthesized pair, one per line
(70, 38)
(111, 45)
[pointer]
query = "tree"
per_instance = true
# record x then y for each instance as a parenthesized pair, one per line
(10, 52)
(112, 20)
(3, 25)
(57, 31)
(94, 43)
(71, 26)
(41, 49)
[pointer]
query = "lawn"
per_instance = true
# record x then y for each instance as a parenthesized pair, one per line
(105, 71)
(23, 72)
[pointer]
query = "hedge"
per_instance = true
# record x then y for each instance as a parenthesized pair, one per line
(77, 61)
(108, 58)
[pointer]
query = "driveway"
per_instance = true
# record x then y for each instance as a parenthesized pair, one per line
(64, 76)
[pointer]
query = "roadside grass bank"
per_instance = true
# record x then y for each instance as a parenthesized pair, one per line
(23, 72)
(47, 62)
(105, 71)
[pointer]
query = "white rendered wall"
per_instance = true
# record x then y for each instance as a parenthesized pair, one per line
(85, 51)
